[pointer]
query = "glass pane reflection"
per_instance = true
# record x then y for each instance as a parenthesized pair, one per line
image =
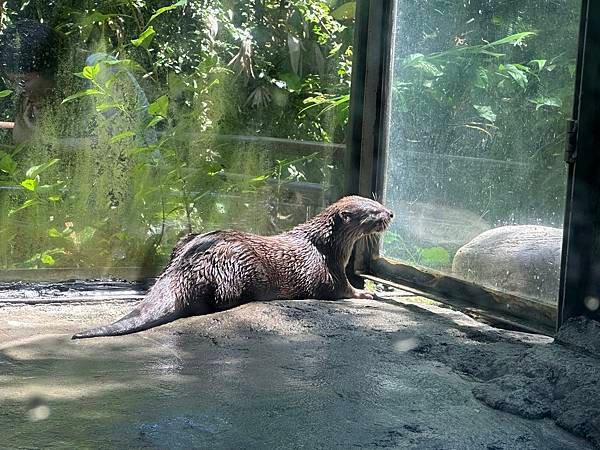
(127, 124)
(481, 94)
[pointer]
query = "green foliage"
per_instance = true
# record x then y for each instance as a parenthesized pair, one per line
(109, 179)
(434, 256)
(7, 164)
(485, 112)
(164, 9)
(480, 95)
(145, 38)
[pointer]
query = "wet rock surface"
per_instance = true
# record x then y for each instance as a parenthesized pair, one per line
(290, 374)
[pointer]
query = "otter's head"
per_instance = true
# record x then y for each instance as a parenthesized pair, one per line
(341, 224)
(360, 216)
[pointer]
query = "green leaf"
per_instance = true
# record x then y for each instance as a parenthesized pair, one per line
(541, 101)
(540, 63)
(90, 72)
(159, 107)
(328, 103)
(47, 259)
(34, 171)
(434, 255)
(494, 54)
(94, 17)
(522, 68)
(53, 232)
(121, 136)
(517, 74)
(259, 178)
(418, 61)
(481, 80)
(106, 106)
(512, 39)
(164, 9)
(145, 39)
(347, 11)
(5, 93)
(26, 204)
(84, 93)
(154, 121)
(30, 184)
(54, 198)
(485, 112)
(125, 64)
(7, 164)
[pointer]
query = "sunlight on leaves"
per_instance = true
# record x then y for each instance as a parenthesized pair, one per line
(145, 39)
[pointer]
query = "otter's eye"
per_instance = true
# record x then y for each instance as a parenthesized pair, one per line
(346, 216)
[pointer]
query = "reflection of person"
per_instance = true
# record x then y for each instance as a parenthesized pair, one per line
(32, 57)
(29, 56)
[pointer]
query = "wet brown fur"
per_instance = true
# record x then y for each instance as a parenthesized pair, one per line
(223, 269)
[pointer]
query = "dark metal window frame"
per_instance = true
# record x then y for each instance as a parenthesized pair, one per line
(366, 168)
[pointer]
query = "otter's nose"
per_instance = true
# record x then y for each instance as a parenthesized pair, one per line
(391, 214)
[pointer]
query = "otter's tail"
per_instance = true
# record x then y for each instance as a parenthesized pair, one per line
(157, 308)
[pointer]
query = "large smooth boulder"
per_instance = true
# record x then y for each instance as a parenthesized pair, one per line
(522, 260)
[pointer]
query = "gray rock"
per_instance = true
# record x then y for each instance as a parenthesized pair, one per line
(549, 380)
(582, 334)
(522, 260)
(517, 394)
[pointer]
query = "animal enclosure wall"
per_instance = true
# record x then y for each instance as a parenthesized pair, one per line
(128, 124)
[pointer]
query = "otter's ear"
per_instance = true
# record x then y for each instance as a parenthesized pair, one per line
(346, 216)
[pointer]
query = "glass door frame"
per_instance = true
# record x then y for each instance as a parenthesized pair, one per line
(366, 164)
(580, 267)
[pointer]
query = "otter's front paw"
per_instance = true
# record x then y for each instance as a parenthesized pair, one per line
(360, 293)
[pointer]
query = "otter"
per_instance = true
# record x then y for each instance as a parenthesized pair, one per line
(222, 269)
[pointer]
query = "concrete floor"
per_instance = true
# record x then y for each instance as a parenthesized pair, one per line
(284, 374)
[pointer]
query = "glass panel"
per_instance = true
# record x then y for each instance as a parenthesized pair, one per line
(127, 124)
(481, 95)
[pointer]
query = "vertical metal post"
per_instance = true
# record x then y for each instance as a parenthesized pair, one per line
(580, 278)
(370, 98)
(357, 96)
